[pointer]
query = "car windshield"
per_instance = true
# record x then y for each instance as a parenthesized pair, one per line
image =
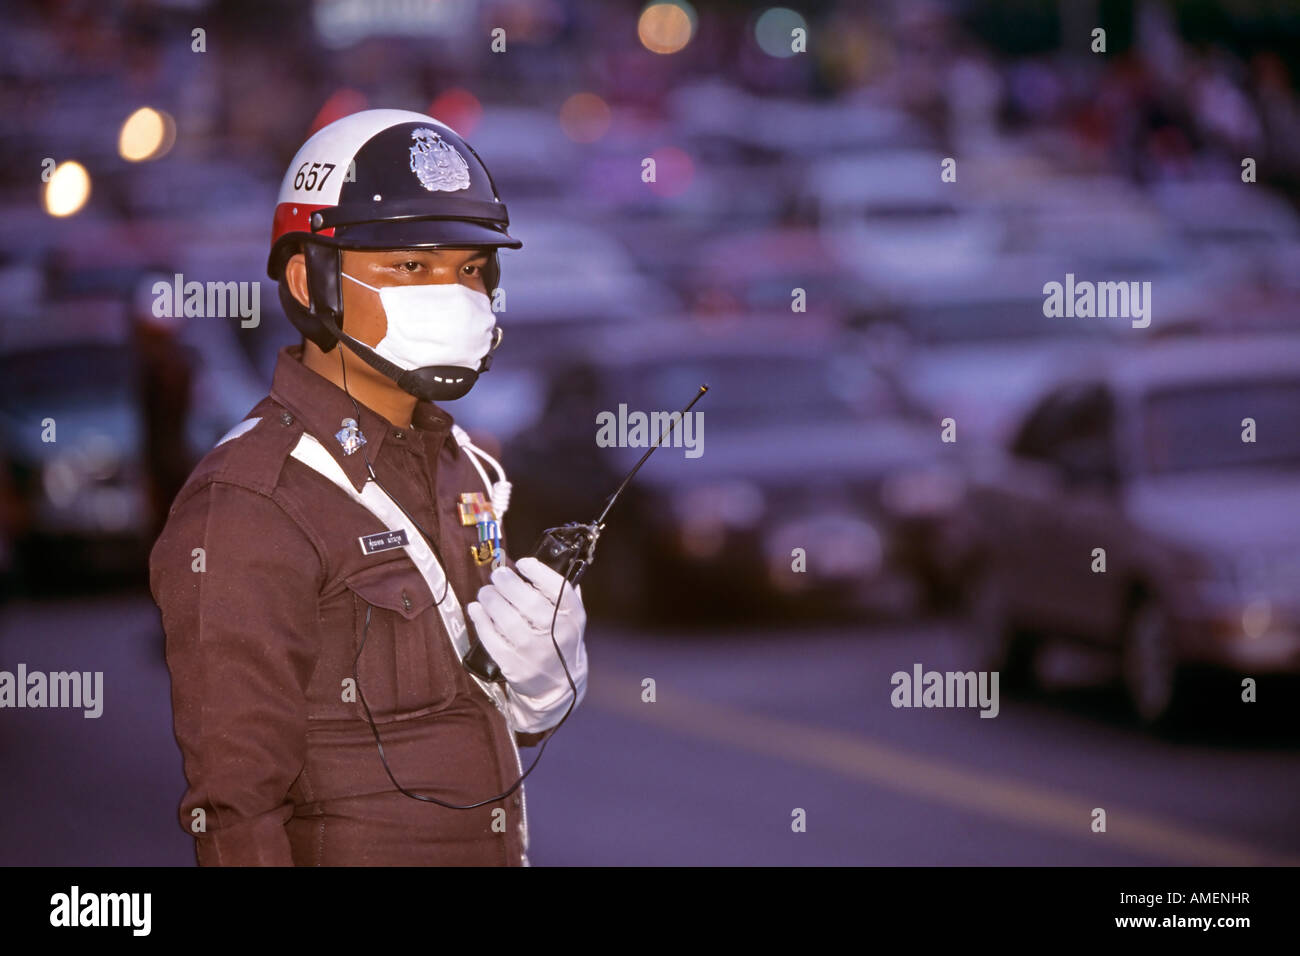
(1200, 429)
(74, 373)
(767, 389)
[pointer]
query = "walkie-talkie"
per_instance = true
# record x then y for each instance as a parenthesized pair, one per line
(569, 550)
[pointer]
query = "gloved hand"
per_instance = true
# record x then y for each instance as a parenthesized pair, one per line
(513, 619)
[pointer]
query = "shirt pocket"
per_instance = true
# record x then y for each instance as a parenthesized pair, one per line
(407, 667)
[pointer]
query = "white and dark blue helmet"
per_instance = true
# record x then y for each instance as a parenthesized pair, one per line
(382, 179)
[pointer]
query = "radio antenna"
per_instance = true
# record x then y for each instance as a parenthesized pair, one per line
(600, 522)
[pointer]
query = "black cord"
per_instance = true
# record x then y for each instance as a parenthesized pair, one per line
(549, 732)
(356, 677)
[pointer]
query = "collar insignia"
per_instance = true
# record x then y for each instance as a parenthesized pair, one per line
(350, 436)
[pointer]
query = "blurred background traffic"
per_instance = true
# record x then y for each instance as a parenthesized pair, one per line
(887, 392)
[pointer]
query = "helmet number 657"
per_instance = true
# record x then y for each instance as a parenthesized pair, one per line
(306, 178)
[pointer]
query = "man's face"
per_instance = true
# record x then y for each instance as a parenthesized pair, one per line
(363, 314)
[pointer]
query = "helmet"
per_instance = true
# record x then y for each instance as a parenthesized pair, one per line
(381, 179)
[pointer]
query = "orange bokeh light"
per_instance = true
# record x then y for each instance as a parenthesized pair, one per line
(584, 117)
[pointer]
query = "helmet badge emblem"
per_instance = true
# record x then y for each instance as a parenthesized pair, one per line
(436, 163)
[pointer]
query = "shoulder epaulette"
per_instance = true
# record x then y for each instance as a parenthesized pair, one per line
(252, 453)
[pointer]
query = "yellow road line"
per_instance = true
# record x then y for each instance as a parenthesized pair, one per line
(858, 757)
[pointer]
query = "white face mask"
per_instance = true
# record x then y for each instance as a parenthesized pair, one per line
(445, 324)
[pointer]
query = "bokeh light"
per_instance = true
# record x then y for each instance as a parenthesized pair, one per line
(674, 171)
(342, 102)
(460, 109)
(666, 27)
(67, 190)
(584, 117)
(146, 134)
(773, 30)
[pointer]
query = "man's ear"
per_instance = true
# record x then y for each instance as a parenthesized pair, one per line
(295, 274)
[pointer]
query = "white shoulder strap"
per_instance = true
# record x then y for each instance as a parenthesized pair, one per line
(247, 425)
(374, 499)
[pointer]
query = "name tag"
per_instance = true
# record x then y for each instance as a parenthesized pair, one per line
(383, 541)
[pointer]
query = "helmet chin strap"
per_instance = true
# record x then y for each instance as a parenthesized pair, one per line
(432, 383)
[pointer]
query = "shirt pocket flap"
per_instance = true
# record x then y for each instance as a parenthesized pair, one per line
(396, 586)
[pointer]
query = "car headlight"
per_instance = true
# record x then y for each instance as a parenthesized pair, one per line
(62, 480)
(837, 546)
(98, 457)
(94, 459)
(1256, 617)
(1256, 586)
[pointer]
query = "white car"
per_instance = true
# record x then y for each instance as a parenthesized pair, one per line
(894, 222)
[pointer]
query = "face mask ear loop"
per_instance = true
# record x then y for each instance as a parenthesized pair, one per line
(358, 281)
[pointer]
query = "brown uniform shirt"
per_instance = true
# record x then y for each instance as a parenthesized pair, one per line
(262, 629)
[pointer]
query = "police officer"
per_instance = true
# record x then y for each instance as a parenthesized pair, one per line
(312, 569)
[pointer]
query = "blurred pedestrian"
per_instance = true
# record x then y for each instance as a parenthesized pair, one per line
(165, 375)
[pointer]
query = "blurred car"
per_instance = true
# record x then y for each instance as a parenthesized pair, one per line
(1109, 230)
(756, 272)
(890, 217)
(706, 183)
(974, 347)
(232, 195)
(717, 111)
(662, 229)
(566, 282)
(11, 517)
(1233, 216)
(238, 354)
(72, 428)
(518, 173)
(976, 351)
(1141, 452)
(798, 434)
(71, 432)
(1072, 215)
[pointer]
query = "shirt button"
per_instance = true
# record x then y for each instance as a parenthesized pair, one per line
(398, 433)
(286, 418)
(406, 600)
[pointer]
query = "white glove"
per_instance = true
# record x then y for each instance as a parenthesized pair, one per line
(513, 619)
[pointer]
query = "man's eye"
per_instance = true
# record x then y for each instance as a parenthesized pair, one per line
(477, 270)
(410, 265)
